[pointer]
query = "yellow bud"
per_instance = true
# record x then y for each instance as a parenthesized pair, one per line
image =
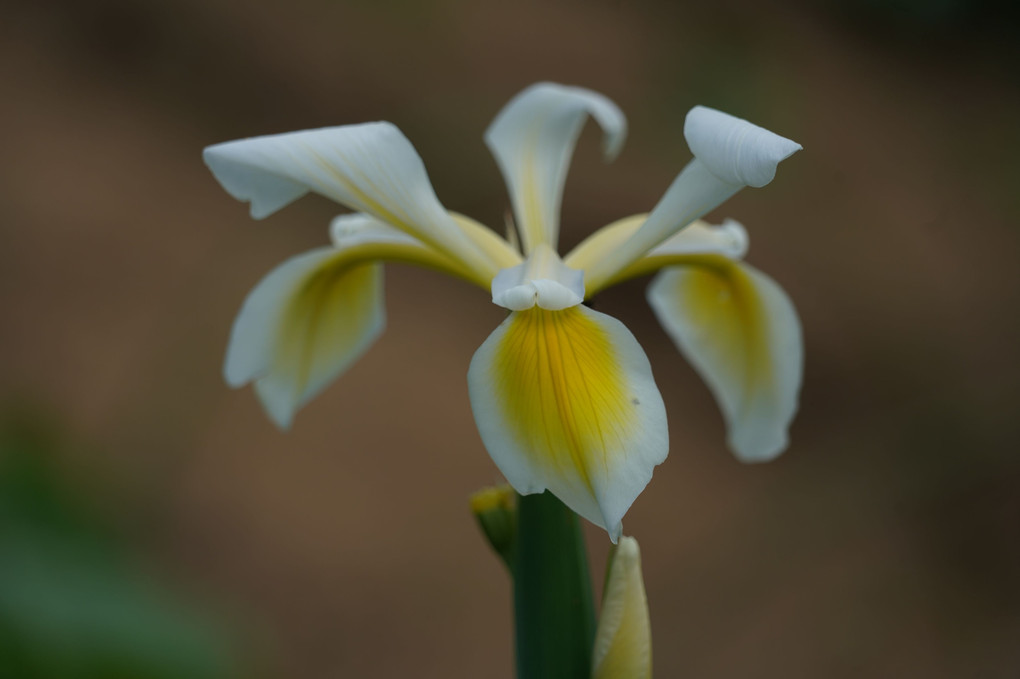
(496, 511)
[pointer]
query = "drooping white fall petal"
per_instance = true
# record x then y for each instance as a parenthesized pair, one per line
(741, 333)
(533, 140)
(623, 641)
(305, 323)
(310, 318)
(565, 401)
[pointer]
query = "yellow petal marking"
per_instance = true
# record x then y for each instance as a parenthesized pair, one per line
(535, 232)
(326, 317)
(565, 396)
(720, 298)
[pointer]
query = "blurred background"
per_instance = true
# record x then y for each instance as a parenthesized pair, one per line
(154, 524)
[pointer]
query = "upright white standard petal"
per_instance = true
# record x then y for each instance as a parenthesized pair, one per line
(741, 333)
(533, 139)
(565, 401)
(302, 326)
(370, 167)
(623, 642)
(729, 153)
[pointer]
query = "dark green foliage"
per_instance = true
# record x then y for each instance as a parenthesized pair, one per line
(72, 604)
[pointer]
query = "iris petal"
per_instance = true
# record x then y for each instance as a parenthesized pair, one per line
(302, 326)
(533, 139)
(310, 318)
(371, 168)
(741, 333)
(565, 401)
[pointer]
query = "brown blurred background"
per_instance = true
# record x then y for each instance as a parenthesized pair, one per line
(148, 511)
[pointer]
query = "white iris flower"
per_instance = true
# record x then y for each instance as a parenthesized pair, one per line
(563, 395)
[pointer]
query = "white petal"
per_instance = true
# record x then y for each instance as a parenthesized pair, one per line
(302, 326)
(565, 401)
(371, 167)
(741, 333)
(729, 153)
(533, 139)
(623, 642)
(736, 151)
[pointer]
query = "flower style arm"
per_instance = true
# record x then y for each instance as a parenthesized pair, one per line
(729, 154)
(699, 238)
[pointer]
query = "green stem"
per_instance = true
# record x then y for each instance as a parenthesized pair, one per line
(555, 614)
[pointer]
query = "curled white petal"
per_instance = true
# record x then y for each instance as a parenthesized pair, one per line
(533, 139)
(729, 153)
(370, 167)
(741, 333)
(736, 151)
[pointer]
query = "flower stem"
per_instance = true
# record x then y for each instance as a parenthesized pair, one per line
(555, 614)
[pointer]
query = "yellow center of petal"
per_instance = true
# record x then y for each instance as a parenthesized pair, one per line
(327, 318)
(565, 395)
(722, 300)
